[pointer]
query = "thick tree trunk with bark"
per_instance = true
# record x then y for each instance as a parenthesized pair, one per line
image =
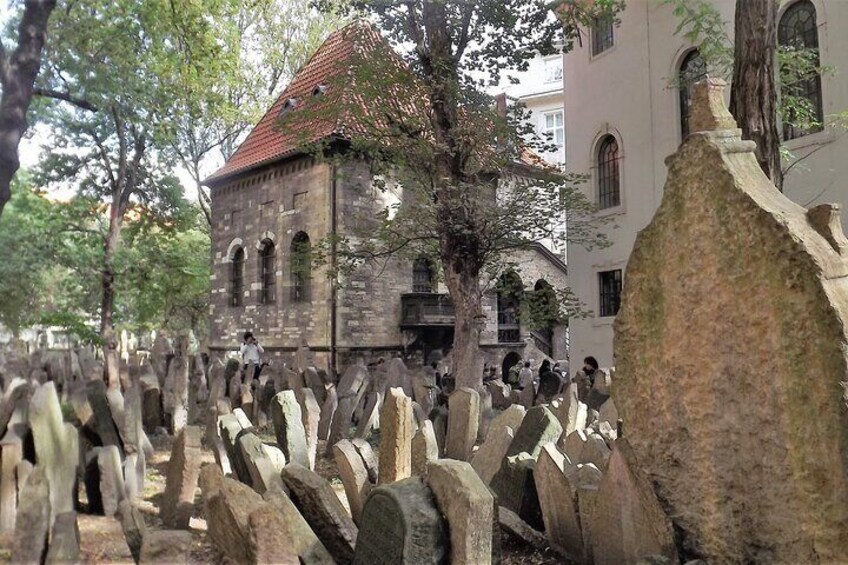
(754, 95)
(17, 75)
(107, 303)
(464, 290)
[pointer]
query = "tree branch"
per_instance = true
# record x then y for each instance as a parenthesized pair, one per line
(66, 97)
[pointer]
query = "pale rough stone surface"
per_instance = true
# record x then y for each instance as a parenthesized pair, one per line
(511, 417)
(328, 410)
(368, 457)
(595, 451)
(228, 505)
(261, 471)
(310, 412)
(370, 416)
(181, 480)
(111, 478)
(133, 525)
(165, 546)
(396, 437)
(266, 543)
(725, 240)
(558, 503)
(468, 506)
(488, 458)
(573, 445)
(424, 448)
(354, 476)
(294, 529)
(11, 455)
(64, 544)
(628, 523)
(56, 447)
(463, 421)
(288, 426)
(322, 509)
(33, 520)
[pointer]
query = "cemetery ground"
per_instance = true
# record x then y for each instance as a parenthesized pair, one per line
(102, 540)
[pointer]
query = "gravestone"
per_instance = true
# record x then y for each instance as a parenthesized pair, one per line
(295, 531)
(255, 462)
(132, 523)
(424, 448)
(227, 507)
(778, 437)
(487, 460)
(463, 421)
(340, 428)
(468, 505)
(370, 416)
(628, 523)
(558, 503)
(266, 543)
(328, 410)
(395, 437)
(64, 544)
(181, 479)
(311, 416)
(511, 417)
(32, 523)
(354, 476)
(111, 479)
(288, 426)
(369, 458)
(321, 508)
(517, 489)
(103, 424)
(151, 401)
(11, 455)
(402, 525)
(165, 546)
(315, 383)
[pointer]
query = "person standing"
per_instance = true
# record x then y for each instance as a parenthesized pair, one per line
(251, 352)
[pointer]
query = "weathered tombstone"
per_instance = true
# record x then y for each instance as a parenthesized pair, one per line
(165, 546)
(151, 401)
(315, 383)
(64, 544)
(500, 392)
(371, 416)
(228, 505)
(395, 437)
(463, 421)
(424, 448)
(401, 525)
(266, 543)
(595, 451)
(439, 417)
(608, 413)
(368, 457)
(56, 447)
(776, 272)
(104, 425)
(32, 523)
(628, 523)
(257, 468)
(321, 508)
(516, 489)
(181, 480)
(468, 505)
(288, 426)
(511, 417)
(558, 503)
(487, 460)
(311, 417)
(111, 478)
(570, 412)
(573, 446)
(354, 476)
(295, 531)
(132, 523)
(328, 410)
(340, 428)
(11, 455)
(397, 376)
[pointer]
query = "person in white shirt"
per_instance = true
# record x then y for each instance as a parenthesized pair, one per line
(250, 351)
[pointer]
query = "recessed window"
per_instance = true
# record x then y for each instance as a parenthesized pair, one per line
(692, 69)
(319, 90)
(609, 183)
(237, 277)
(553, 70)
(602, 35)
(797, 34)
(267, 272)
(609, 284)
(301, 267)
(288, 106)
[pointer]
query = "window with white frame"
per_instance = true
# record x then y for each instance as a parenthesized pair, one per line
(553, 126)
(553, 69)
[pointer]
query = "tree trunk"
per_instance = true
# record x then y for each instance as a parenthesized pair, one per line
(753, 94)
(17, 75)
(464, 288)
(107, 305)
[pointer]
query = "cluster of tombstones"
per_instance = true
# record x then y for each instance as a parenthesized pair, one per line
(62, 427)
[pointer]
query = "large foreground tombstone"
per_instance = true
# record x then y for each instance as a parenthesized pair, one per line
(401, 525)
(732, 278)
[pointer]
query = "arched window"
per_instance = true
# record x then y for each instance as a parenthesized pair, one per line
(237, 277)
(609, 186)
(692, 69)
(422, 275)
(267, 272)
(510, 290)
(801, 91)
(545, 314)
(301, 267)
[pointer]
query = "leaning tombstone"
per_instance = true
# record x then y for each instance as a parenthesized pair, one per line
(558, 503)
(181, 480)
(311, 417)
(295, 531)
(395, 437)
(33, 522)
(111, 479)
(288, 426)
(402, 525)
(328, 410)
(354, 477)
(468, 505)
(424, 448)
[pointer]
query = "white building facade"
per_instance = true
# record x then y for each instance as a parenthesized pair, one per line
(625, 114)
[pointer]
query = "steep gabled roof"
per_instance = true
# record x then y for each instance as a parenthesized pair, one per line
(271, 140)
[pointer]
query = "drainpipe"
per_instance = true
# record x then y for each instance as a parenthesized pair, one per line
(333, 266)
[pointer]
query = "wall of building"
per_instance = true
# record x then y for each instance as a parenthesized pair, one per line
(628, 92)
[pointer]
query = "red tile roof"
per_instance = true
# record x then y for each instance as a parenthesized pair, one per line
(272, 139)
(334, 66)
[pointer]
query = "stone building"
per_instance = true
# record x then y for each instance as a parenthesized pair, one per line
(272, 204)
(626, 112)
